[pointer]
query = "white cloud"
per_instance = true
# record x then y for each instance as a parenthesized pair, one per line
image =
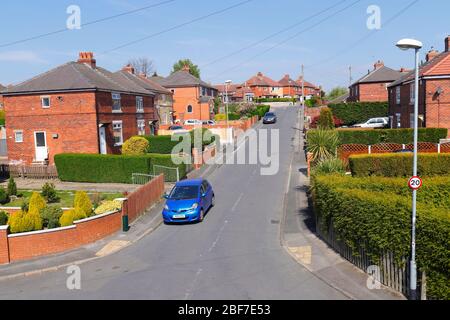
(21, 56)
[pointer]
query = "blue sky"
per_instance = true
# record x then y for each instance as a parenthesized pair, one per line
(320, 49)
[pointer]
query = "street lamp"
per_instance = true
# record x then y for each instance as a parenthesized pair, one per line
(227, 83)
(406, 44)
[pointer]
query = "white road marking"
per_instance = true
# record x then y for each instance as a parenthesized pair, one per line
(189, 291)
(233, 209)
(218, 236)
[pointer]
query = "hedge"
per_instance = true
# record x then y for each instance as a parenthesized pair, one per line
(265, 100)
(401, 136)
(359, 112)
(161, 144)
(381, 221)
(95, 168)
(399, 165)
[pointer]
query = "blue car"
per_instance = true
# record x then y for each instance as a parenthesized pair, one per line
(189, 201)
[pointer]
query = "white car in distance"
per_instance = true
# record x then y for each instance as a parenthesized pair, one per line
(373, 123)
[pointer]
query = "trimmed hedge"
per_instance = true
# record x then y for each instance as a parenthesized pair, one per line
(161, 144)
(359, 112)
(266, 100)
(381, 221)
(109, 168)
(401, 136)
(399, 165)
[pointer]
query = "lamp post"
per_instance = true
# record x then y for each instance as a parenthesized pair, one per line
(407, 44)
(227, 83)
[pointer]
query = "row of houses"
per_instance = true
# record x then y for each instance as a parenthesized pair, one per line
(80, 107)
(261, 86)
(398, 88)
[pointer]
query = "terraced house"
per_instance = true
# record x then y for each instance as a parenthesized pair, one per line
(264, 87)
(434, 93)
(77, 107)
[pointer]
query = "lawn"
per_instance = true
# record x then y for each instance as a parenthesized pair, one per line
(66, 197)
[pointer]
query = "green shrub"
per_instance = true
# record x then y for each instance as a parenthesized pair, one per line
(322, 144)
(49, 193)
(325, 121)
(401, 136)
(109, 206)
(223, 117)
(36, 203)
(50, 216)
(4, 198)
(24, 222)
(12, 187)
(161, 144)
(3, 218)
(24, 206)
(70, 216)
(83, 202)
(266, 100)
(135, 146)
(359, 112)
(381, 221)
(201, 136)
(330, 166)
(399, 165)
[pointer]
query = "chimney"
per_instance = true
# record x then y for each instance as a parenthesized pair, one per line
(431, 54)
(259, 74)
(143, 75)
(87, 58)
(128, 68)
(447, 44)
(186, 68)
(404, 70)
(379, 64)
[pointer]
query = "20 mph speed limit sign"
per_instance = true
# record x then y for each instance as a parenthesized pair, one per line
(415, 183)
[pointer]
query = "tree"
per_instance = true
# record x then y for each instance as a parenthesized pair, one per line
(336, 93)
(326, 121)
(184, 63)
(142, 66)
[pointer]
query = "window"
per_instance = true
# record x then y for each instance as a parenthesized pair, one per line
(190, 109)
(412, 96)
(18, 136)
(118, 133)
(397, 95)
(45, 102)
(399, 120)
(141, 127)
(139, 104)
(391, 122)
(411, 120)
(116, 105)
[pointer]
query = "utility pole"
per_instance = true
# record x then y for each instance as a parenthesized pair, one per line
(351, 77)
(303, 86)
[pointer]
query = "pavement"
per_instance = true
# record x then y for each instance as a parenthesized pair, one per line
(250, 247)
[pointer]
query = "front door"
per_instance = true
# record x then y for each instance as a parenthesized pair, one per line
(103, 140)
(40, 139)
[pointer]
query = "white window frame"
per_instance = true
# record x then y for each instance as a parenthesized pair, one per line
(116, 97)
(49, 102)
(116, 123)
(141, 127)
(397, 95)
(15, 136)
(412, 93)
(139, 104)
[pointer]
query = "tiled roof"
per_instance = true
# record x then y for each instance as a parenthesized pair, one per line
(287, 81)
(144, 82)
(2, 88)
(382, 74)
(229, 88)
(438, 66)
(77, 76)
(183, 79)
(306, 84)
(261, 80)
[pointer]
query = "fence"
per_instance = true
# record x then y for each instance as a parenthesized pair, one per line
(171, 174)
(386, 270)
(139, 201)
(141, 179)
(29, 172)
(347, 150)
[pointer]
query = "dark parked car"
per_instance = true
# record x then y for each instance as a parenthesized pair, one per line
(175, 128)
(270, 117)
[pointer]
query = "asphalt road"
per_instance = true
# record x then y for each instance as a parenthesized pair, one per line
(234, 254)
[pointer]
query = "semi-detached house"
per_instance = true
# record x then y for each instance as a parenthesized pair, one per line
(77, 107)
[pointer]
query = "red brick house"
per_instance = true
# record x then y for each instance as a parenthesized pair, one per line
(2, 88)
(77, 107)
(373, 86)
(264, 87)
(290, 87)
(434, 93)
(236, 93)
(193, 98)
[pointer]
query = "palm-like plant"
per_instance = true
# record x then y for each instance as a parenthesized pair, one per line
(322, 144)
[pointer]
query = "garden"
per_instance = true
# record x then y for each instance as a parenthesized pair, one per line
(42, 210)
(370, 210)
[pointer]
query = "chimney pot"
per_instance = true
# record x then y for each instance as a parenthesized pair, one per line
(447, 44)
(87, 58)
(128, 68)
(432, 54)
(186, 68)
(379, 64)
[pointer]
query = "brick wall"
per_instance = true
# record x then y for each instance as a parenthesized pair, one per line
(4, 246)
(184, 97)
(438, 106)
(71, 116)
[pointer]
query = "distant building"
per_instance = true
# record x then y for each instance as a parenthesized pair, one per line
(2, 88)
(193, 98)
(236, 93)
(264, 87)
(434, 93)
(373, 86)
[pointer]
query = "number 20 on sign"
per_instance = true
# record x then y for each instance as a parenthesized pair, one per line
(415, 183)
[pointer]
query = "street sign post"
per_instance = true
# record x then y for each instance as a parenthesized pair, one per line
(415, 183)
